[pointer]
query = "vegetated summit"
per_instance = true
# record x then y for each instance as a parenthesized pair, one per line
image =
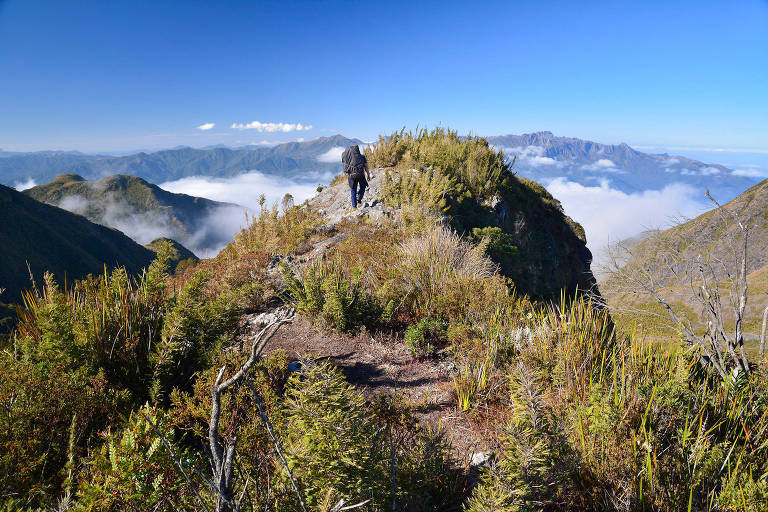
(473, 190)
(51, 239)
(399, 368)
(141, 209)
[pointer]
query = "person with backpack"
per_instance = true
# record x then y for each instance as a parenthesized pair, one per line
(356, 168)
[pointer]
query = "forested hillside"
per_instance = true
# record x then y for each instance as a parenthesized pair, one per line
(141, 209)
(38, 238)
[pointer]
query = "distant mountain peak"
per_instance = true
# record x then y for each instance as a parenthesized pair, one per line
(544, 157)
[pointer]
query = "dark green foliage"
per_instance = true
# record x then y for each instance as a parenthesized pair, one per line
(133, 469)
(181, 258)
(425, 335)
(191, 327)
(501, 247)
(105, 347)
(339, 447)
(333, 445)
(53, 240)
(328, 291)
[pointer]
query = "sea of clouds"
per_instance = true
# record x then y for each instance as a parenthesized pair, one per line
(245, 191)
(610, 216)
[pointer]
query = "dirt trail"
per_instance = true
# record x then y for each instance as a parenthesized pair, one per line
(377, 364)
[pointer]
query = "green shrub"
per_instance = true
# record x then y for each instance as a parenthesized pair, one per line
(500, 245)
(468, 161)
(326, 290)
(424, 335)
(133, 470)
(333, 446)
(192, 325)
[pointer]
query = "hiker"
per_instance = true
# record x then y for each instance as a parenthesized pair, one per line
(356, 168)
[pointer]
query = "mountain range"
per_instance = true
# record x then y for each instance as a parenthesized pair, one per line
(299, 160)
(544, 157)
(540, 156)
(143, 210)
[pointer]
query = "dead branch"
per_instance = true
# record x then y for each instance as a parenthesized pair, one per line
(717, 282)
(222, 454)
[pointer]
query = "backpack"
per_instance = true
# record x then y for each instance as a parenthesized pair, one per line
(352, 161)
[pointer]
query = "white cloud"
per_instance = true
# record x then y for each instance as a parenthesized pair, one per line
(246, 188)
(332, 155)
(750, 173)
(602, 165)
(271, 127)
(610, 215)
(759, 151)
(75, 204)
(604, 162)
(24, 185)
(533, 156)
(672, 161)
(703, 171)
(206, 126)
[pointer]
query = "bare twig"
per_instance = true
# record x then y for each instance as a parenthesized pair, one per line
(222, 454)
(762, 334)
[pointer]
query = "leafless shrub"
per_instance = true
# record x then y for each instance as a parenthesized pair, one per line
(708, 259)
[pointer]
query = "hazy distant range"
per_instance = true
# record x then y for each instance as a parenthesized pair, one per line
(615, 191)
(540, 156)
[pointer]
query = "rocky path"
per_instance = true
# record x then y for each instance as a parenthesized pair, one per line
(336, 204)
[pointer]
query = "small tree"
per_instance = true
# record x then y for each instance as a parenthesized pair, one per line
(707, 259)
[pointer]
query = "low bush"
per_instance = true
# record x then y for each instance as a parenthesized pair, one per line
(327, 291)
(425, 335)
(274, 231)
(133, 469)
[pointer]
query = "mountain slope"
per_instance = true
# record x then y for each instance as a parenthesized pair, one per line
(702, 239)
(543, 157)
(49, 238)
(140, 209)
(293, 159)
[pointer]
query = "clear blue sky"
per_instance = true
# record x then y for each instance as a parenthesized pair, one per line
(111, 75)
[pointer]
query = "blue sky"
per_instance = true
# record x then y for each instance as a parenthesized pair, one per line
(110, 75)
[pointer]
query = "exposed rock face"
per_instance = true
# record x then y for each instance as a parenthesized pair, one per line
(335, 202)
(552, 254)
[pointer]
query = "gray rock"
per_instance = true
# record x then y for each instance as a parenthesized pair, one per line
(479, 459)
(262, 320)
